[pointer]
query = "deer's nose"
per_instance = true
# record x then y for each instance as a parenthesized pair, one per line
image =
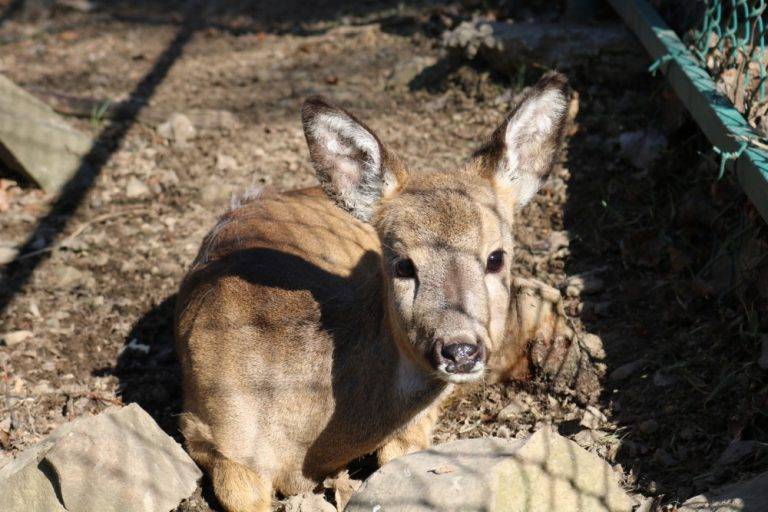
(460, 354)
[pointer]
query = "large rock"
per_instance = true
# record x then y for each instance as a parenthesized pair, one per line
(543, 473)
(119, 460)
(37, 142)
(748, 496)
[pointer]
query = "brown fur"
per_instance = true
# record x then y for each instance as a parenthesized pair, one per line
(300, 349)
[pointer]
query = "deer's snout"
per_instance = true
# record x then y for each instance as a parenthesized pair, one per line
(460, 355)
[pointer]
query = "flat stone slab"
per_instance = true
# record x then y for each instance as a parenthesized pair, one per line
(119, 460)
(747, 496)
(542, 473)
(37, 142)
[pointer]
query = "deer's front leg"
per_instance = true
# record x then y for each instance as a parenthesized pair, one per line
(413, 437)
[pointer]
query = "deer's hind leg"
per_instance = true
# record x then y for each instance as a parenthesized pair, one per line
(237, 487)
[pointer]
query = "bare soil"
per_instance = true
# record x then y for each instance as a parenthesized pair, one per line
(681, 255)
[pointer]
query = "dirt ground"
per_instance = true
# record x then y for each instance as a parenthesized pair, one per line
(680, 256)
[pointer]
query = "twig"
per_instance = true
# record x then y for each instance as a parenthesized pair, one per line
(6, 389)
(751, 140)
(80, 229)
(97, 397)
(28, 407)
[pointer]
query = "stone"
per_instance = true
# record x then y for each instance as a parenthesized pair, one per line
(208, 119)
(648, 426)
(763, 361)
(593, 418)
(544, 472)
(663, 458)
(740, 450)
(645, 504)
(588, 437)
(119, 460)
(5, 429)
(747, 496)
(627, 370)
(226, 163)
(583, 284)
(662, 379)
(513, 410)
(558, 243)
(216, 192)
(135, 188)
(593, 345)
(642, 147)
(7, 254)
(37, 142)
(308, 503)
(178, 128)
(406, 72)
(68, 277)
(15, 337)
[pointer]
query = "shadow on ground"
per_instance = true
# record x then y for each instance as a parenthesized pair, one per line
(148, 368)
(677, 316)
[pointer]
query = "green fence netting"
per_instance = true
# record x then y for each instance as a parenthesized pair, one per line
(731, 46)
(732, 38)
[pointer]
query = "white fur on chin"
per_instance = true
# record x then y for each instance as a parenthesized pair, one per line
(460, 378)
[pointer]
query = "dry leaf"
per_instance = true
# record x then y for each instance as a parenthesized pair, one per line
(5, 197)
(441, 470)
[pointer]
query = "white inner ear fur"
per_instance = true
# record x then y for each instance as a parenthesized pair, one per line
(526, 137)
(357, 181)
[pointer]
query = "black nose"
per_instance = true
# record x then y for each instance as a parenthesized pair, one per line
(460, 357)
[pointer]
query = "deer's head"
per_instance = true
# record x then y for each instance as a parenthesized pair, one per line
(446, 235)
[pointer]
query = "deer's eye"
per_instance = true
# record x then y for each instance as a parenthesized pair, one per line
(495, 262)
(405, 269)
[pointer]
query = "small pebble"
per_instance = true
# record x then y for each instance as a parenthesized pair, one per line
(662, 457)
(593, 345)
(626, 370)
(16, 337)
(136, 188)
(593, 418)
(662, 379)
(514, 409)
(648, 426)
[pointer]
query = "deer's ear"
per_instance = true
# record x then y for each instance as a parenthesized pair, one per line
(524, 147)
(353, 167)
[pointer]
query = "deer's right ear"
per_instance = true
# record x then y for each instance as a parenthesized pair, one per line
(353, 167)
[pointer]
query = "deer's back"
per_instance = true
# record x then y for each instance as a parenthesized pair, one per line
(280, 285)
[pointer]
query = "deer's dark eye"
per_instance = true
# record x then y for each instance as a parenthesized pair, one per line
(405, 269)
(495, 261)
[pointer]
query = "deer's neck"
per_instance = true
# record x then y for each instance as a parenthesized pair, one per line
(379, 383)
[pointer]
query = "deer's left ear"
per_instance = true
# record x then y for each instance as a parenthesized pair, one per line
(523, 149)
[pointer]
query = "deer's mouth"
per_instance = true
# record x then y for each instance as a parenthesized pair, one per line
(459, 362)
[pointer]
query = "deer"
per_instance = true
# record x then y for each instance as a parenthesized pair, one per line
(320, 325)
